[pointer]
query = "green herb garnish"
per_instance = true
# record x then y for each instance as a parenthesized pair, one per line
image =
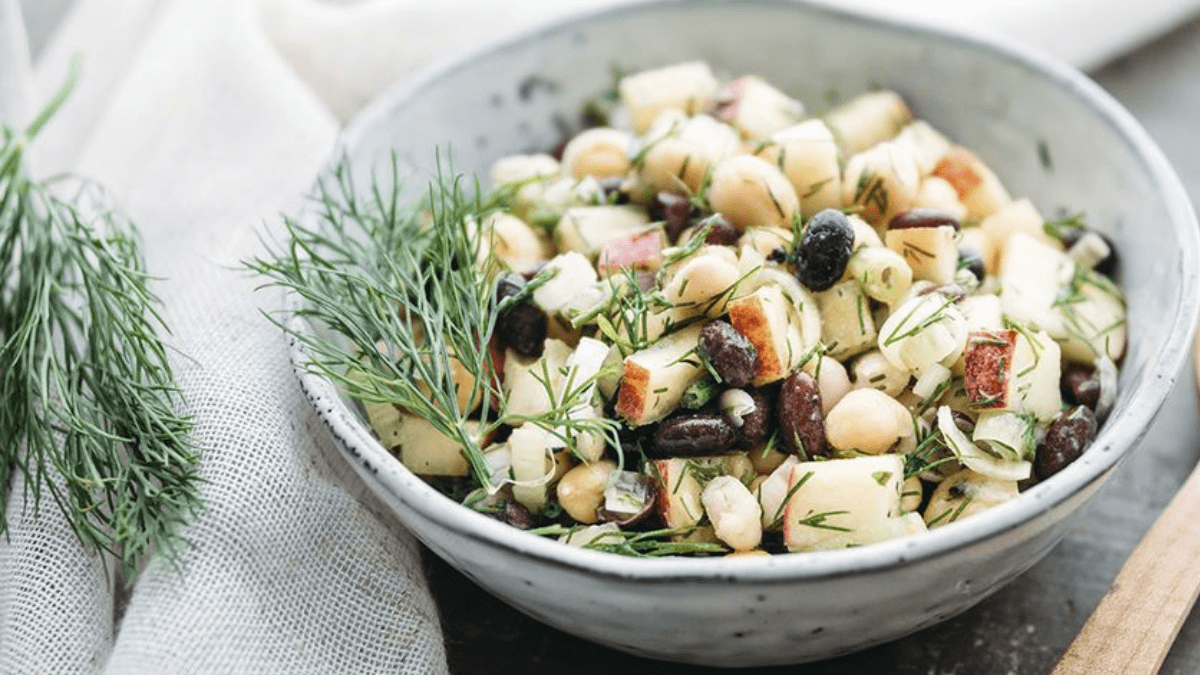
(91, 411)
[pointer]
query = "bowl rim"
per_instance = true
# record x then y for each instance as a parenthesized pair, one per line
(383, 472)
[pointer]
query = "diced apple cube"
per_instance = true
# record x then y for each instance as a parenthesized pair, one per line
(687, 87)
(1011, 370)
(1018, 216)
(868, 119)
(573, 274)
(677, 485)
(656, 377)
(977, 186)
(883, 180)
(1083, 310)
(928, 145)
(931, 252)
(638, 250)
(842, 502)
(847, 327)
(937, 193)
(756, 109)
(588, 229)
(771, 324)
(809, 157)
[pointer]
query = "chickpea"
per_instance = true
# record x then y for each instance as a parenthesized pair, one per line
(581, 490)
(867, 420)
(832, 381)
(868, 119)
(601, 153)
(749, 191)
(701, 279)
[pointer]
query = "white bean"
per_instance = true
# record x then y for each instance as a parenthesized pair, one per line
(867, 420)
(832, 381)
(734, 512)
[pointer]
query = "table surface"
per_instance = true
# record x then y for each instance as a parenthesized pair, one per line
(1024, 627)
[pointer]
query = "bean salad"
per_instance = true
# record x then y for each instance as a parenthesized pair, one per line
(778, 331)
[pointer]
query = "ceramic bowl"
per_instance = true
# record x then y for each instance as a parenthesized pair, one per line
(1049, 132)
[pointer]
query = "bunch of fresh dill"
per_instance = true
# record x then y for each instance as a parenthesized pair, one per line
(91, 413)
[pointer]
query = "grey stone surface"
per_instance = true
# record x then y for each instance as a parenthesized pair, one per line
(1024, 627)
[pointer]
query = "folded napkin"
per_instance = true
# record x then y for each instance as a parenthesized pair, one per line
(205, 119)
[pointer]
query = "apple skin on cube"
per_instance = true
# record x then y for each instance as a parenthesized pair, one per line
(977, 186)
(678, 490)
(638, 250)
(1012, 370)
(988, 366)
(588, 229)
(656, 377)
(770, 323)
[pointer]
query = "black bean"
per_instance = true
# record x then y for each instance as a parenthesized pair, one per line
(1066, 439)
(1069, 236)
(729, 353)
(694, 435)
(1080, 385)
(721, 232)
(612, 190)
(824, 249)
(756, 425)
(923, 217)
(673, 210)
(522, 326)
(972, 261)
(801, 423)
(516, 514)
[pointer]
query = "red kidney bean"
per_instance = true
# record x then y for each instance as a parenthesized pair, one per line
(1066, 439)
(694, 435)
(756, 425)
(923, 217)
(721, 232)
(801, 424)
(674, 210)
(729, 353)
(1080, 385)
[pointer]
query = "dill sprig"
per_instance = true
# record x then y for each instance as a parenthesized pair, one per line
(402, 295)
(91, 412)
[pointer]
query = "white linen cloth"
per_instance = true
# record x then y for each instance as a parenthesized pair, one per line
(205, 119)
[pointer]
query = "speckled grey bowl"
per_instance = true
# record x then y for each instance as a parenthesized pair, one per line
(1049, 132)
